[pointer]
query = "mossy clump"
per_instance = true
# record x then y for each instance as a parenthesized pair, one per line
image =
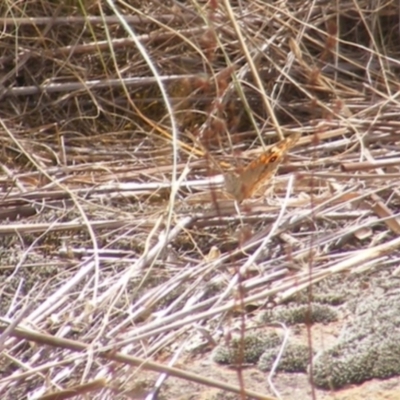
(368, 347)
(245, 350)
(295, 358)
(301, 314)
(333, 299)
(387, 361)
(330, 298)
(213, 394)
(333, 291)
(341, 365)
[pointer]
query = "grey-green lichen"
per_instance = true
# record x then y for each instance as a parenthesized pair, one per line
(298, 314)
(245, 350)
(368, 347)
(295, 358)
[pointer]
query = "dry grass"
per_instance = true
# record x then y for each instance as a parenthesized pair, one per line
(114, 239)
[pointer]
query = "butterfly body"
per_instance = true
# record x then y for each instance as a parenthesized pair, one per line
(246, 182)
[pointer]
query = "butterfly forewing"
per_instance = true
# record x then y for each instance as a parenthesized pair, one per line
(258, 172)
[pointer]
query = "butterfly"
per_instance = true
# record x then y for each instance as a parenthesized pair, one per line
(246, 182)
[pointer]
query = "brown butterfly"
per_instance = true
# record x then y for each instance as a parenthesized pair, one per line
(245, 183)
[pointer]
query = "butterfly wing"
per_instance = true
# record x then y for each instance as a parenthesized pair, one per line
(258, 172)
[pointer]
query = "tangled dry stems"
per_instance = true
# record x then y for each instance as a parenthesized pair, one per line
(106, 237)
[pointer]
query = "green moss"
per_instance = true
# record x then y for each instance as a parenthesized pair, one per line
(301, 314)
(387, 361)
(333, 299)
(295, 358)
(213, 394)
(332, 291)
(340, 366)
(368, 346)
(247, 350)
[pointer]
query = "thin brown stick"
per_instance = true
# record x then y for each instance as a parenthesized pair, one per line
(73, 345)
